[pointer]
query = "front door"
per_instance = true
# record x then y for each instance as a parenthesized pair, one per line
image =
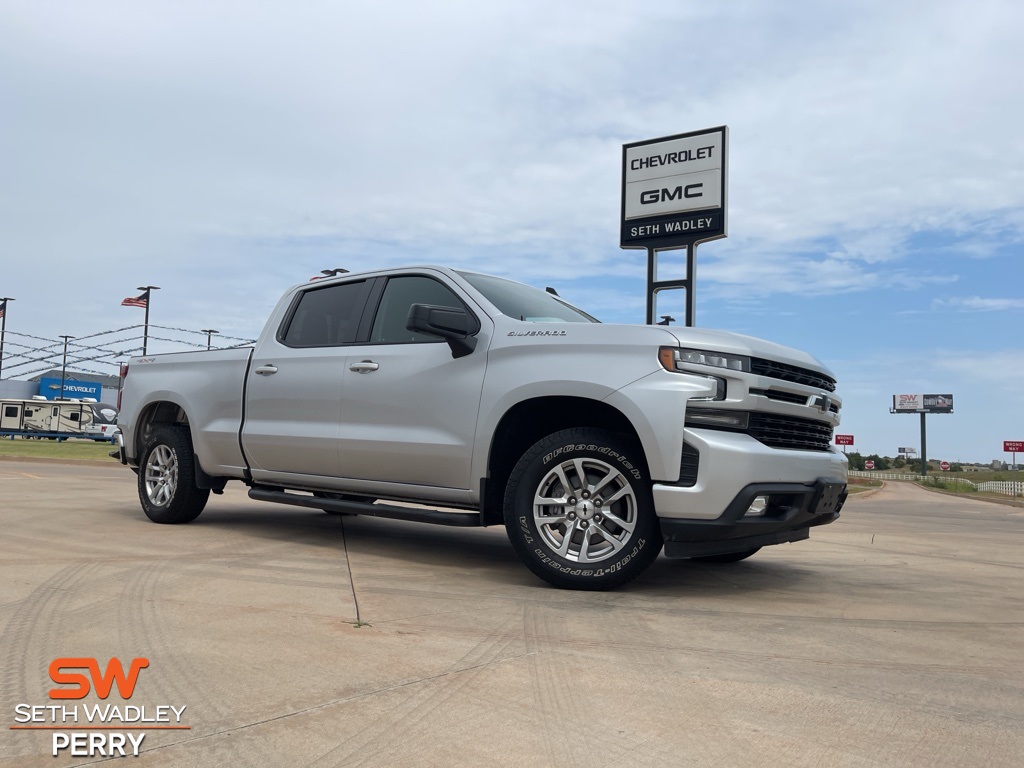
(409, 408)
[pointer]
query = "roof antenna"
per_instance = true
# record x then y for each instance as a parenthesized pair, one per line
(551, 290)
(666, 320)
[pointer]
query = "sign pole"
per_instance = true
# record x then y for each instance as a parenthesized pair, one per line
(691, 276)
(652, 271)
(924, 447)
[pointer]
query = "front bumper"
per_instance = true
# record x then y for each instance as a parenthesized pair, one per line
(706, 513)
(728, 463)
(793, 508)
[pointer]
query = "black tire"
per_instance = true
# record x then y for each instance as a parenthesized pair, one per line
(731, 557)
(599, 533)
(167, 478)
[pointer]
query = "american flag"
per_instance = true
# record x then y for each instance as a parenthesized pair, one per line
(3, 309)
(136, 301)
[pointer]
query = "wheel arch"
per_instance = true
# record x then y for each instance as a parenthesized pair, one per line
(529, 421)
(161, 413)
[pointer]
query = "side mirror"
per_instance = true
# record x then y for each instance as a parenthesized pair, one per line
(454, 325)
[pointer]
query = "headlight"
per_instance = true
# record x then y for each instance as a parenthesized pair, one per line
(676, 359)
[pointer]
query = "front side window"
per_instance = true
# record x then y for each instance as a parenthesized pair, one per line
(400, 294)
(11, 411)
(327, 316)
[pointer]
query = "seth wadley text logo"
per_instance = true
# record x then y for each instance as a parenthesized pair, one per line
(96, 730)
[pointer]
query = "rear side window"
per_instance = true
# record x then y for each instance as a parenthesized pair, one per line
(326, 317)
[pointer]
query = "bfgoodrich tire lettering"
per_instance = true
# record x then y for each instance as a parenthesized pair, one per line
(579, 512)
(167, 478)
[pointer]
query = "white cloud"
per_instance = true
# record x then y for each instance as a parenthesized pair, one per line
(979, 304)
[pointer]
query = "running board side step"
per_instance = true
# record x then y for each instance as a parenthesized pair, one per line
(376, 509)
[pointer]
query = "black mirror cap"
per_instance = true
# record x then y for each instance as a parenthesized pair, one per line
(454, 325)
(445, 322)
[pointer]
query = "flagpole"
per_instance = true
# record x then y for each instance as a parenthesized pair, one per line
(145, 328)
(3, 330)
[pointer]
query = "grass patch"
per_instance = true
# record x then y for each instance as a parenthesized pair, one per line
(51, 449)
(948, 485)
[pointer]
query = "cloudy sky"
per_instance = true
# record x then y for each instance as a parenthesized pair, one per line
(226, 150)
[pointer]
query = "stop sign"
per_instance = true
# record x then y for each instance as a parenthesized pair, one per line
(869, 465)
(944, 466)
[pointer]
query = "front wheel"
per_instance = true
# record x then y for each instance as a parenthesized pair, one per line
(167, 478)
(579, 510)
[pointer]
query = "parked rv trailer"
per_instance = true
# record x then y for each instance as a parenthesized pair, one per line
(46, 418)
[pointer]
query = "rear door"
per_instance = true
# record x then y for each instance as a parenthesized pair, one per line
(294, 388)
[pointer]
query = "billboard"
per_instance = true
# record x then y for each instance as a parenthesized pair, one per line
(674, 190)
(907, 450)
(50, 389)
(922, 403)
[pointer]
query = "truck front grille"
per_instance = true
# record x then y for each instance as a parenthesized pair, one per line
(785, 372)
(790, 432)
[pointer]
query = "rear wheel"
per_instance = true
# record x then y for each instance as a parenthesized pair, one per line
(167, 478)
(579, 510)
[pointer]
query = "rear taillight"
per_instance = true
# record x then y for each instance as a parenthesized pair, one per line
(120, 389)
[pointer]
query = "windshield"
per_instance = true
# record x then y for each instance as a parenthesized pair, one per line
(525, 303)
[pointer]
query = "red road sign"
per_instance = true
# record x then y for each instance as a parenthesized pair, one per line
(869, 465)
(844, 439)
(944, 466)
(1013, 446)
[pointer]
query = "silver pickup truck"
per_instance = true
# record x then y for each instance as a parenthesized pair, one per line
(452, 397)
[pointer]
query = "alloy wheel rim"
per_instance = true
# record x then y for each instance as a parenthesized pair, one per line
(585, 510)
(161, 475)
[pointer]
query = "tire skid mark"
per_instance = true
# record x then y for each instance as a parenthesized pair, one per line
(406, 728)
(137, 631)
(30, 637)
(143, 627)
(552, 689)
(563, 712)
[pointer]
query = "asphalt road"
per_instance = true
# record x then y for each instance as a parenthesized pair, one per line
(295, 638)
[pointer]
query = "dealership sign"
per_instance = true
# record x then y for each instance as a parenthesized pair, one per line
(922, 403)
(51, 389)
(674, 190)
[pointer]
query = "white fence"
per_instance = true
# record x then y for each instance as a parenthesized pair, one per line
(995, 486)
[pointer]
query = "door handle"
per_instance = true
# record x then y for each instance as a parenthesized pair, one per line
(266, 370)
(366, 366)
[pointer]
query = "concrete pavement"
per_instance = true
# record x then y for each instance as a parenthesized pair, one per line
(296, 638)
